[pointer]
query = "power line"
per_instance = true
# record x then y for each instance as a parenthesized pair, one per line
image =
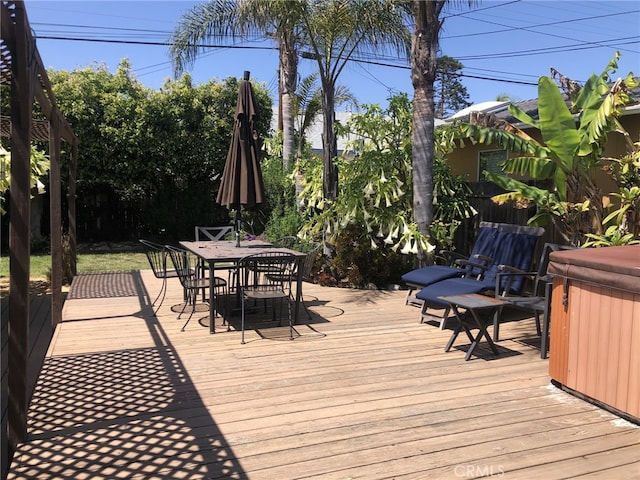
(142, 42)
(374, 60)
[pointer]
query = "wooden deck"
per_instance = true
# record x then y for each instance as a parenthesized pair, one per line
(363, 392)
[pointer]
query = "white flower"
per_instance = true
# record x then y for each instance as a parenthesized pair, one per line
(374, 246)
(383, 179)
(407, 247)
(368, 190)
(389, 239)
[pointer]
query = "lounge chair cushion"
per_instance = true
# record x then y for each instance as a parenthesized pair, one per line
(432, 274)
(452, 286)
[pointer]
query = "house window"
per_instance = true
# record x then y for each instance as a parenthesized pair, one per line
(490, 160)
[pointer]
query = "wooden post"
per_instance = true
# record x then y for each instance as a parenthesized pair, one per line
(55, 209)
(23, 79)
(71, 203)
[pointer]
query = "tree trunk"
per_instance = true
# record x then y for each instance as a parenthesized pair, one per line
(424, 46)
(329, 144)
(288, 80)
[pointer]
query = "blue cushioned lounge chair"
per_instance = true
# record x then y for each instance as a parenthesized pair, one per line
(459, 267)
(513, 247)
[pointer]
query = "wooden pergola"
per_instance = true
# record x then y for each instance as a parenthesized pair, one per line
(22, 69)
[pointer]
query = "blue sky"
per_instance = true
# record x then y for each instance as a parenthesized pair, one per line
(505, 46)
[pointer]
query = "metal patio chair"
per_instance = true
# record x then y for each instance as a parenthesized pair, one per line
(157, 256)
(194, 281)
(215, 234)
(265, 276)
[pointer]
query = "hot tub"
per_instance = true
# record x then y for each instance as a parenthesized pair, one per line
(595, 325)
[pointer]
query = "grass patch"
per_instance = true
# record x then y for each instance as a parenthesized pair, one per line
(87, 263)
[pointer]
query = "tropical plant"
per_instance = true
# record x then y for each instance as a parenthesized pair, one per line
(373, 208)
(276, 19)
(573, 139)
(40, 165)
(335, 31)
(283, 218)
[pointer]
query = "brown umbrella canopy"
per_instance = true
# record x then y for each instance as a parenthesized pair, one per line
(242, 187)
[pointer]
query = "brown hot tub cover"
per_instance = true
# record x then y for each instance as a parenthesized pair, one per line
(613, 267)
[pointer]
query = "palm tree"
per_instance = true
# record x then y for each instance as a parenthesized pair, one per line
(277, 19)
(424, 48)
(307, 105)
(336, 31)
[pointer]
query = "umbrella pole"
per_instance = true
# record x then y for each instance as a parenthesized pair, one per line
(238, 224)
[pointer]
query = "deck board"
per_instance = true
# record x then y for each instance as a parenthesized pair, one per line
(364, 391)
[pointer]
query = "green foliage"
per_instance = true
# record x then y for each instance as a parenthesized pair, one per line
(282, 218)
(160, 154)
(356, 264)
(371, 218)
(571, 152)
(40, 165)
(613, 236)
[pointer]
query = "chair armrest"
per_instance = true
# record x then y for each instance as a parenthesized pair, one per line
(471, 265)
(483, 258)
(509, 272)
(450, 257)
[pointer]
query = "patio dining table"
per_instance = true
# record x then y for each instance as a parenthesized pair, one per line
(227, 251)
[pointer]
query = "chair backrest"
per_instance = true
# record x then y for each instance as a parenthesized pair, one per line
(286, 242)
(157, 256)
(515, 248)
(267, 269)
(212, 233)
(488, 237)
(484, 245)
(542, 276)
(309, 260)
(182, 263)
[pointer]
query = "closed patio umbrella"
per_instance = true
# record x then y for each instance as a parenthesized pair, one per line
(242, 187)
